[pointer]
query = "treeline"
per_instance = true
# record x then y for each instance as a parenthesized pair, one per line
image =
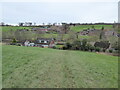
(84, 45)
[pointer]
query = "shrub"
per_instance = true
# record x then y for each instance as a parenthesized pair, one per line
(97, 49)
(68, 46)
(110, 50)
(64, 48)
(116, 46)
(104, 50)
(76, 45)
(102, 44)
(18, 44)
(92, 48)
(84, 45)
(87, 47)
(14, 40)
(54, 47)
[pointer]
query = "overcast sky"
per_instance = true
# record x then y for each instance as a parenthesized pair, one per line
(62, 11)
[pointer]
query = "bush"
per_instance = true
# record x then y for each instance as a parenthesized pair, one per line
(102, 44)
(87, 47)
(104, 50)
(64, 48)
(12, 43)
(92, 48)
(18, 44)
(68, 46)
(76, 45)
(97, 49)
(14, 40)
(54, 47)
(84, 45)
(110, 50)
(116, 46)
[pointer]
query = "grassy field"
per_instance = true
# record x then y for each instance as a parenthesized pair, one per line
(14, 28)
(65, 36)
(34, 67)
(81, 27)
(75, 28)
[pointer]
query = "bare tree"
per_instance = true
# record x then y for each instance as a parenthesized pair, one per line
(66, 27)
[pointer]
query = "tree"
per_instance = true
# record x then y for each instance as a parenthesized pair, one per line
(66, 28)
(92, 48)
(60, 36)
(83, 44)
(14, 40)
(21, 24)
(102, 44)
(2, 24)
(76, 44)
(71, 36)
(116, 46)
(93, 27)
(100, 36)
(30, 23)
(68, 45)
(102, 28)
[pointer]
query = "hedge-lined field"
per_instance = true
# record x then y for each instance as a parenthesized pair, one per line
(34, 67)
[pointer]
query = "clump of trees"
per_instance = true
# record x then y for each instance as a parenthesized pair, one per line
(102, 44)
(84, 45)
(79, 45)
(65, 28)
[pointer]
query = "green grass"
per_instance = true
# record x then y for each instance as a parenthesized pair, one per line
(14, 28)
(65, 36)
(34, 67)
(81, 27)
(59, 46)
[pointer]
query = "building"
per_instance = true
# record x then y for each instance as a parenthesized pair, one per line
(45, 42)
(27, 43)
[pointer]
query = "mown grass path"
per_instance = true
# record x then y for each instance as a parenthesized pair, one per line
(33, 67)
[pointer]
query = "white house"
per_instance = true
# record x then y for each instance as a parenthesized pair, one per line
(27, 43)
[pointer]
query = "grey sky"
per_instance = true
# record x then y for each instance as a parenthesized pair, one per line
(46, 12)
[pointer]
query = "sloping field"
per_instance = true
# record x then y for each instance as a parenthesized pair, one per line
(13, 28)
(34, 67)
(81, 27)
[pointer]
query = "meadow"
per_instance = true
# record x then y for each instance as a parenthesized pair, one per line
(74, 28)
(13, 28)
(81, 27)
(34, 67)
(8, 31)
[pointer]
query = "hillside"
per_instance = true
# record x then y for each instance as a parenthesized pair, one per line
(34, 67)
(81, 27)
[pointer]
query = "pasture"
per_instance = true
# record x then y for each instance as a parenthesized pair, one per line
(13, 28)
(81, 27)
(34, 67)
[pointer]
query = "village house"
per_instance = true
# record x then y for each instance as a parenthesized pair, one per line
(45, 42)
(41, 42)
(27, 43)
